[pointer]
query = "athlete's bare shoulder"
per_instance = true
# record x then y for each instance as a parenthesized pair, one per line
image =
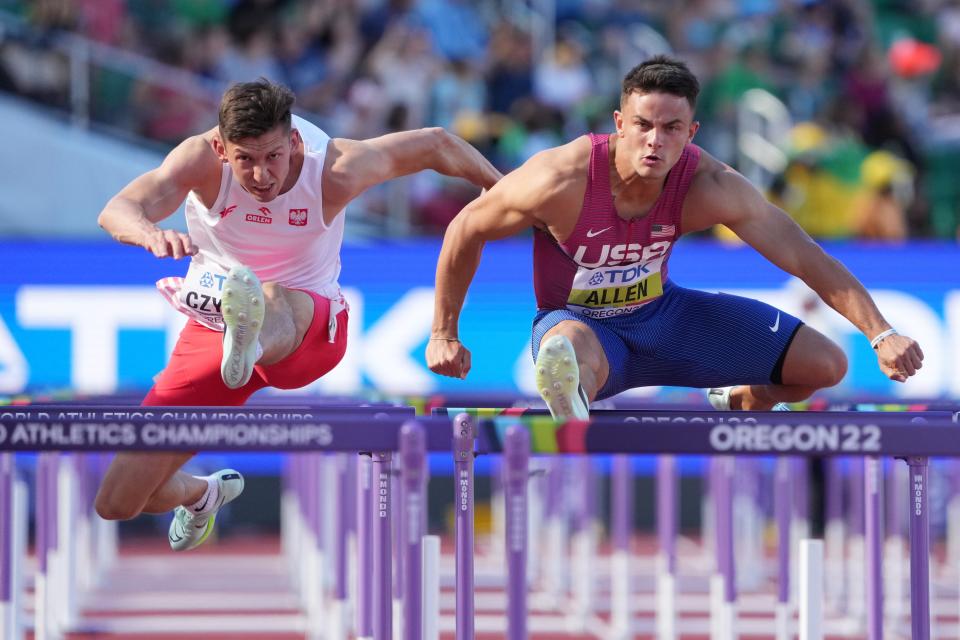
(550, 185)
(195, 165)
(565, 164)
(717, 190)
(196, 154)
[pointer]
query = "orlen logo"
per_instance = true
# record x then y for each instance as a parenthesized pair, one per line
(611, 255)
(260, 218)
(298, 217)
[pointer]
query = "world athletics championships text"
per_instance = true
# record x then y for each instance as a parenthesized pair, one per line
(207, 435)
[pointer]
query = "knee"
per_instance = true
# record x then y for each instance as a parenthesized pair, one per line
(833, 365)
(575, 332)
(109, 507)
(273, 292)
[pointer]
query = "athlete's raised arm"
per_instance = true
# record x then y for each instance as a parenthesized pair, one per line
(131, 215)
(723, 196)
(353, 166)
(539, 193)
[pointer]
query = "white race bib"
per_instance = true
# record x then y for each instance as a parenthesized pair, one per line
(202, 290)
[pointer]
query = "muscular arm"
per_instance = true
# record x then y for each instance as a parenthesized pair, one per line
(353, 166)
(130, 216)
(735, 203)
(538, 193)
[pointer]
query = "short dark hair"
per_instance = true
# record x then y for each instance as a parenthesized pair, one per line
(251, 109)
(661, 74)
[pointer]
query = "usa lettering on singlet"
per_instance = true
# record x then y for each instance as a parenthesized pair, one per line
(610, 266)
(625, 277)
(285, 240)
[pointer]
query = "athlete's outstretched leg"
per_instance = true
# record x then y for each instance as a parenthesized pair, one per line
(571, 368)
(264, 324)
(288, 317)
(812, 362)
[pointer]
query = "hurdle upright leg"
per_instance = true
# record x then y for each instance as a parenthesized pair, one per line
(463, 442)
(724, 627)
(894, 551)
(873, 479)
(412, 472)
(516, 471)
(834, 537)
(555, 574)
(783, 492)
(66, 590)
(365, 503)
(919, 550)
(41, 624)
(7, 612)
(339, 604)
(382, 567)
(667, 498)
(21, 510)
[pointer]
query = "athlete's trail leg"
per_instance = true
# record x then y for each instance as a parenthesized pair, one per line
(813, 362)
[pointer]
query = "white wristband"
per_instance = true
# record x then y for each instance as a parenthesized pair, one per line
(876, 341)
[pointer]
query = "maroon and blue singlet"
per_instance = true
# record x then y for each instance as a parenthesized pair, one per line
(611, 274)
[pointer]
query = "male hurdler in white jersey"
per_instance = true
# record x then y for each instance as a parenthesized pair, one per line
(264, 194)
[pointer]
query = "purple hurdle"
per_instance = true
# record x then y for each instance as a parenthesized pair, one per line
(895, 563)
(872, 484)
(412, 475)
(668, 493)
(364, 607)
(339, 605)
(725, 582)
(782, 493)
(621, 497)
(463, 443)
(856, 545)
(584, 541)
(516, 471)
(919, 550)
(834, 535)
(7, 612)
(382, 599)
(555, 573)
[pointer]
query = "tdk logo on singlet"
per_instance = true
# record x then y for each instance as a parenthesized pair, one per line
(212, 280)
(614, 254)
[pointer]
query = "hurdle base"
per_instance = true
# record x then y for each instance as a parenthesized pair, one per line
(782, 621)
(666, 606)
(723, 614)
(397, 618)
(337, 615)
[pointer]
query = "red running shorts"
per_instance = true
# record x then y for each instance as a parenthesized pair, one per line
(192, 377)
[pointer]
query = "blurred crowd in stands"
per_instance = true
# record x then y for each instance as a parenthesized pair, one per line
(872, 86)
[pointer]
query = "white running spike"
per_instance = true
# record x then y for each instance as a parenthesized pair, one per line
(559, 380)
(243, 319)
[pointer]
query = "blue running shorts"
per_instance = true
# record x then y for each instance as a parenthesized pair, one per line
(687, 338)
